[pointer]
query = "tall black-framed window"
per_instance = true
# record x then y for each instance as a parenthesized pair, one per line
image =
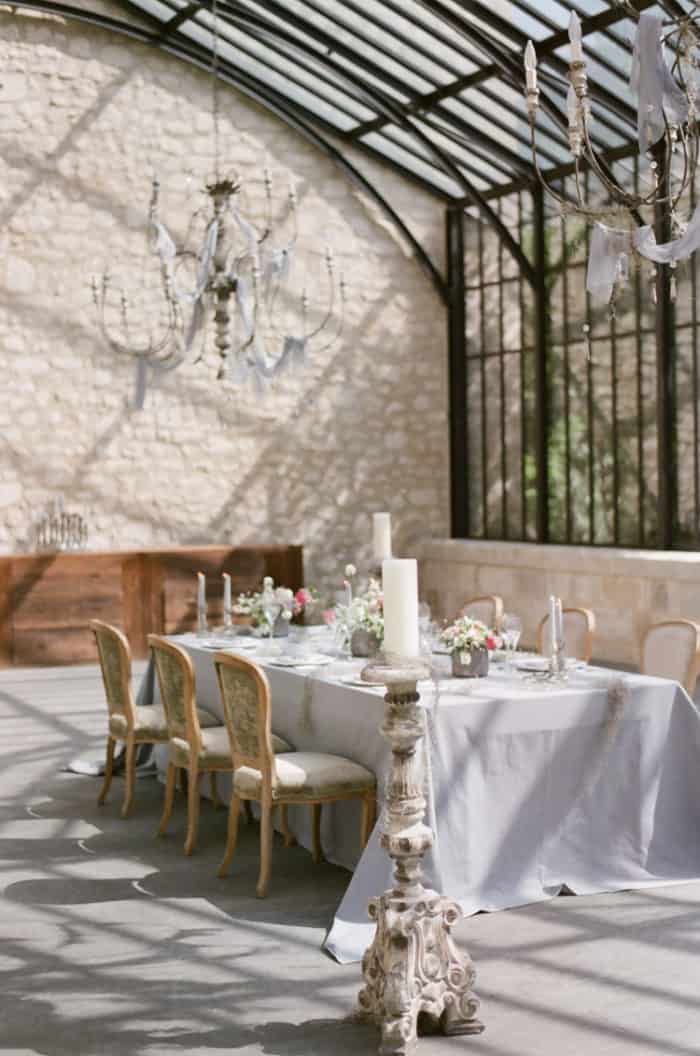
(570, 437)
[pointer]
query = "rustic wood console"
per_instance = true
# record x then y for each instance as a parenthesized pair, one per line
(46, 599)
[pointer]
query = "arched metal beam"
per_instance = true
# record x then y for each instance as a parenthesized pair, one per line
(383, 104)
(269, 100)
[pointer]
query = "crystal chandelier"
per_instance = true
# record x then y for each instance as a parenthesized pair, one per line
(228, 275)
(667, 125)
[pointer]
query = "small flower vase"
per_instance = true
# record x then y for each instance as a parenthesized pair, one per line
(280, 628)
(364, 643)
(470, 664)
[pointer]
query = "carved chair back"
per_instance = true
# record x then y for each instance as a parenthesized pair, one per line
(671, 649)
(115, 662)
(245, 696)
(177, 690)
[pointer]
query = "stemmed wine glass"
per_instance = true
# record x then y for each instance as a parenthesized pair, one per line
(511, 629)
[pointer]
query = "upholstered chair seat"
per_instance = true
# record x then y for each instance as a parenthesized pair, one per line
(279, 780)
(215, 750)
(149, 724)
(306, 776)
(127, 722)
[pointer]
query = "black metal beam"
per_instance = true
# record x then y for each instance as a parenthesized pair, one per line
(457, 367)
(666, 401)
(541, 423)
(382, 103)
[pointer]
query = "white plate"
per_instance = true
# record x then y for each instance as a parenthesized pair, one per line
(317, 660)
(355, 680)
(213, 643)
(244, 643)
(534, 663)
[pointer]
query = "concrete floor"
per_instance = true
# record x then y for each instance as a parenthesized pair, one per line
(112, 942)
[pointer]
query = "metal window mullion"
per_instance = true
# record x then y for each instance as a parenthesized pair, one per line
(502, 380)
(589, 400)
(482, 364)
(523, 407)
(567, 376)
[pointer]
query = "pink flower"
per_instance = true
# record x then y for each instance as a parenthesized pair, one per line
(329, 616)
(490, 642)
(302, 597)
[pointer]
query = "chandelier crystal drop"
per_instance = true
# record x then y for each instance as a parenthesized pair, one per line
(626, 223)
(229, 278)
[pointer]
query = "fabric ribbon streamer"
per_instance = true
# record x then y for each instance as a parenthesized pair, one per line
(608, 260)
(669, 252)
(653, 82)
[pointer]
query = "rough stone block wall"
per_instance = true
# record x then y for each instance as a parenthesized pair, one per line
(86, 117)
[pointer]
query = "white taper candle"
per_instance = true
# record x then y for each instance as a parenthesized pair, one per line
(227, 590)
(381, 536)
(553, 622)
(400, 584)
(201, 590)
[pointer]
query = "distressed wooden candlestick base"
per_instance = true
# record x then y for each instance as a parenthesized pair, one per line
(413, 967)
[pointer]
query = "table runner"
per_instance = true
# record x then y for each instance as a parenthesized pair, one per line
(593, 785)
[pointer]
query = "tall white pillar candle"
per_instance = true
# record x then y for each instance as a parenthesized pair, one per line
(560, 623)
(227, 590)
(553, 622)
(201, 590)
(381, 536)
(400, 583)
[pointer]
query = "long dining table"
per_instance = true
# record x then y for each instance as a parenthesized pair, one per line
(532, 787)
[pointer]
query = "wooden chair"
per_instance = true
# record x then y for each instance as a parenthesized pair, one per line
(579, 628)
(671, 649)
(312, 778)
(486, 607)
(127, 721)
(198, 740)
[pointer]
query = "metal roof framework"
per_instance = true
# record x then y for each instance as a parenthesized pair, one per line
(433, 88)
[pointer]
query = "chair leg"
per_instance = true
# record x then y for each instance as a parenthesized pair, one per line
(266, 809)
(290, 839)
(169, 797)
(183, 781)
(317, 852)
(249, 819)
(109, 762)
(214, 790)
(234, 811)
(368, 818)
(130, 777)
(192, 809)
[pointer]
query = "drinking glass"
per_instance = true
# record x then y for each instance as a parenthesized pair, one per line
(511, 629)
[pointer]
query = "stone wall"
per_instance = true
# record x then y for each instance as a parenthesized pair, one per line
(85, 118)
(627, 589)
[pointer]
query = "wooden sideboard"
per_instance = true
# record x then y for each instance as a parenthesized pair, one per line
(47, 599)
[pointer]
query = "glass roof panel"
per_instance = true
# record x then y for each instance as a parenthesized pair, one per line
(356, 65)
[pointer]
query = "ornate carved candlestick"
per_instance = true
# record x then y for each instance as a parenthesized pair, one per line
(413, 965)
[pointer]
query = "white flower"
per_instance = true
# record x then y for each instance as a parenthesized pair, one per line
(286, 614)
(350, 571)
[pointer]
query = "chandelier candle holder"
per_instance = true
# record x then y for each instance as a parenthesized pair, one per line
(413, 966)
(229, 274)
(59, 530)
(668, 135)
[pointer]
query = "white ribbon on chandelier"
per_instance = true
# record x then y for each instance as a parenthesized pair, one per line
(652, 80)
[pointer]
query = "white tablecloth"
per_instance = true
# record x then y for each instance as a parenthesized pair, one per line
(530, 787)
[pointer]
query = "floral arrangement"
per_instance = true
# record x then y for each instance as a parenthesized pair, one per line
(362, 611)
(466, 635)
(252, 604)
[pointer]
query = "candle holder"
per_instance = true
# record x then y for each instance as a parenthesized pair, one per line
(557, 661)
(229, 629)
(202, 624)
(413, 966)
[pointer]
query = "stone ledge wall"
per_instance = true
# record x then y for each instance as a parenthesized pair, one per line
(85, 118)
(627, 589)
